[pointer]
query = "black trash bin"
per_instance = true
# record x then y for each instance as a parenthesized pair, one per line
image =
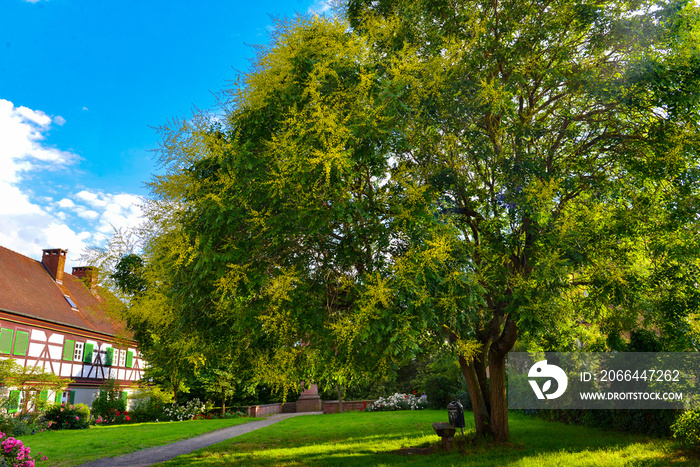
(455, 414)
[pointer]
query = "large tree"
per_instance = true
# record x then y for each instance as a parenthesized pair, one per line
(559, 139)
(281, 209)
(467, 172)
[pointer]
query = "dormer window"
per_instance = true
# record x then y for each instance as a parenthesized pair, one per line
(70, 301)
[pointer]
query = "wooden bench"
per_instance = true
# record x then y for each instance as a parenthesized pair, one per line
(446, 432)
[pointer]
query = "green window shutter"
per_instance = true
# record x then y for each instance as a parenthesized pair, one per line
(130, 359)
(6, 336)
(68, 349)
(44, 395)
(87, 356)
(109, 356)
(72, 397)
(14, 402)
(21, 343)
(59, 397)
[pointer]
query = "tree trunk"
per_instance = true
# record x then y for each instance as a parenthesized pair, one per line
(476, 396)
(497, 372)
(223, 403)
(499, 402)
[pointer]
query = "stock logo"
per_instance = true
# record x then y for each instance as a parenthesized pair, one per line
(542, 370)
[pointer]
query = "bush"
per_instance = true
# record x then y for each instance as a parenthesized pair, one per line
(440, 378)
(687, 428)
(109, 406)
(188, 411)
(148, 405)
(14, 453)
(649, 422)
(68, 417)
(398, 402)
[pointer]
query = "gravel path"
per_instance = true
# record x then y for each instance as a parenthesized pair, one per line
(150, 456)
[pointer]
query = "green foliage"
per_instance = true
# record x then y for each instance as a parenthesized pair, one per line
(687, 428)
(559, 166)
(31, 385)
(475, 174)
(650, 422)
(221, 383)
(68, 417)
(128, 275)
(148, 403)
(109, 405)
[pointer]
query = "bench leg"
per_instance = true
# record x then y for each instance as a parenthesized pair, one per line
(448, 441)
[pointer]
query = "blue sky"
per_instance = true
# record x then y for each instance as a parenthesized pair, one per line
(83, 83)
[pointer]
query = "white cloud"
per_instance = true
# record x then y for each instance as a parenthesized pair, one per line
(320, 7)
(58, 120)
(89, 215)
(66, 203)
(91, 198)
(31, 223)
(22, 132)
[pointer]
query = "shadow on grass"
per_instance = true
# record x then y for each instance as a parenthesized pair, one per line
(534, 442)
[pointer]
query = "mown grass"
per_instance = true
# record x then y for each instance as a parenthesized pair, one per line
(382, 439)
(75, 447)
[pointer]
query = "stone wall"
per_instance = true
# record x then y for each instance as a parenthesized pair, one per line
(291, 407)
(348, 406)
(264, 410)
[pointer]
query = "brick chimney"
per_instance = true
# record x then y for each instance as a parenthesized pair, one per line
(87, 274)
(55, 260)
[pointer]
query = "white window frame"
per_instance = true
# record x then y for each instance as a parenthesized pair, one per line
(78, 351)
(122, 358)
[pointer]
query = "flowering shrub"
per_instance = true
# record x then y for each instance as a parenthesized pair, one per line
(14, 453)
(115, 417)
(68, 417)
(108, 402)
(399, 402)
(184, 412)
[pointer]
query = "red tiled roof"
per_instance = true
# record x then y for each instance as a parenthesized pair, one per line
(27, 288)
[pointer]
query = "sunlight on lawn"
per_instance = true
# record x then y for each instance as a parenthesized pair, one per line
(344, 440)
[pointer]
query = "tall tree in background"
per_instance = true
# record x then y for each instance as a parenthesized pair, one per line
(474, 172)
(560, 138)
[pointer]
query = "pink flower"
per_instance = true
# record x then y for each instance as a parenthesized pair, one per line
(77, 418)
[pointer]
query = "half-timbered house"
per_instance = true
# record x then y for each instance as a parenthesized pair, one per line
(57, 320)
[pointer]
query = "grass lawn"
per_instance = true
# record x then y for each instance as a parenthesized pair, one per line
(381, 438)
(75, 447)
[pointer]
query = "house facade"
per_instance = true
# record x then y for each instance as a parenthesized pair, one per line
(59, 321)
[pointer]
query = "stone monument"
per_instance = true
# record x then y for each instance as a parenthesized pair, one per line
(309, 400)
